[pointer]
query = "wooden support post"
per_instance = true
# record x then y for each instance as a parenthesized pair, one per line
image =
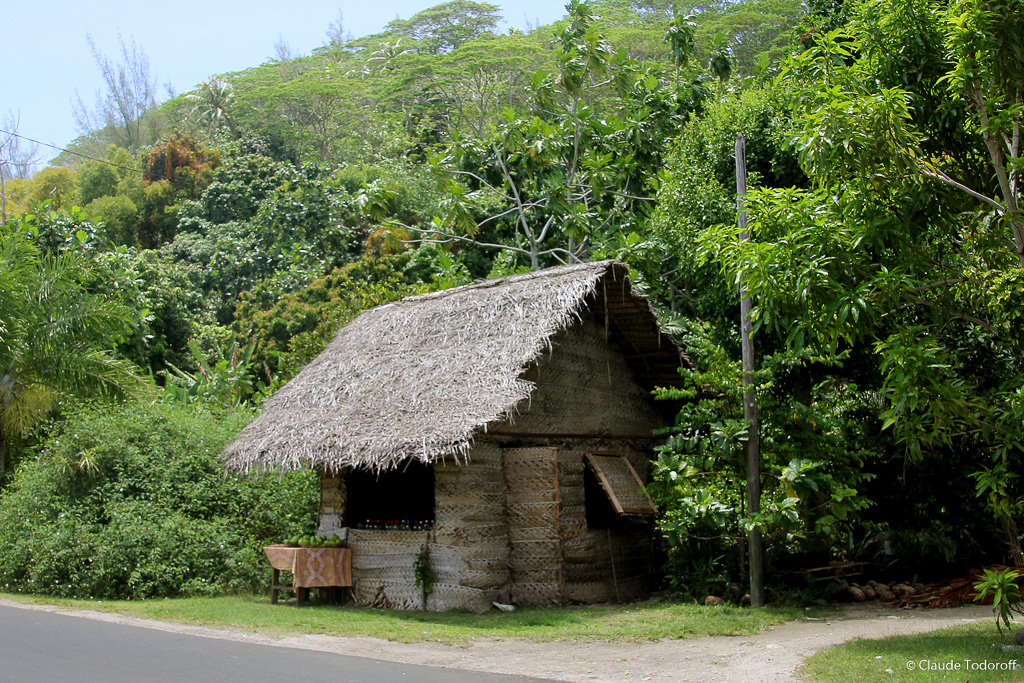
(558, 531)
(611, 556)
(750, 393)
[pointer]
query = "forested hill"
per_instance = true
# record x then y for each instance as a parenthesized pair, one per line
(203, 249)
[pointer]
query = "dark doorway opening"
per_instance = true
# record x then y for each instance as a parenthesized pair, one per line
(402, 498)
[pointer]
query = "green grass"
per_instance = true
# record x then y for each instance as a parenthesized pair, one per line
(650, 621)
(868, 660)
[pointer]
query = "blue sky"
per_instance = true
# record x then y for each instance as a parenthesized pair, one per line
(47, 57)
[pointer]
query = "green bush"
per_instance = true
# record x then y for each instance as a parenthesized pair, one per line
(129, 502)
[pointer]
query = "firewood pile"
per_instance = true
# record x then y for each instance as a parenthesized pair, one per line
(955, 592)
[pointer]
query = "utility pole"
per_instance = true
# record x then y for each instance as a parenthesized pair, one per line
(750, 394)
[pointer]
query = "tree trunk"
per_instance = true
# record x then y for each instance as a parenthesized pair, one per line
(1013, 540)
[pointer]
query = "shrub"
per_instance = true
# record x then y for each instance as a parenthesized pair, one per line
(129, 502)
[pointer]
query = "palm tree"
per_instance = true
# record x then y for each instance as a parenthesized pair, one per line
(212, 100)
(54, 335)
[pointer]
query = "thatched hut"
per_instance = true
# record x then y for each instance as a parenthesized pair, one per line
(503, 427)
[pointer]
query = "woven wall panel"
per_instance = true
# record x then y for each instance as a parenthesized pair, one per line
(622, 484)
(531, 499)
(477, 472)
(585, 545)
(489, 564)
(451, 596)
(465, 513)
(387, 594)
(589, 592)
(545, 532)
(536, 594)
(586, 386)
(470, 548)
(545, 575)
(531, 475)
(538, 495)
(384, 546)
(587, 573)
(472, 578)
(484, 535)
(397, 574)
(529, 514)
(570, 470)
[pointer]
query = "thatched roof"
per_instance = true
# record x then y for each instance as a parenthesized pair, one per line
(419, 377)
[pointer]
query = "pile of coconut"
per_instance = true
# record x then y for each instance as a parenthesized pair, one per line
(873, 590)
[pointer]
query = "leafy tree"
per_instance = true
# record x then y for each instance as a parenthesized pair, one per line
(130, 93)
(96, 179)
(54, 334)
(812, 479)
(446, 26)
(561, 179)
(902, 243)
(119, 217)
(698, 191)
(468, 88)
(184, 162)
(756, 34)
(275, 319)
(53, 184)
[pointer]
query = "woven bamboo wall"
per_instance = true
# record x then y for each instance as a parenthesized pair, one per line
(468, 546)
(531, 495)
(471, 551)
(600, 565)
(584, 385)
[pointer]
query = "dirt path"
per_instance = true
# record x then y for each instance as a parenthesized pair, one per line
(771, 655)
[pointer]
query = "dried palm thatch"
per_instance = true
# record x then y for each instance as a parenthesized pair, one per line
(416, 379)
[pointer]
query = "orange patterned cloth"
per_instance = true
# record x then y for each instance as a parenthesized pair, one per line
(312, 567)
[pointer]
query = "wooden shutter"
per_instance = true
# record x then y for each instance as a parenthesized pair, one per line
(621, 483)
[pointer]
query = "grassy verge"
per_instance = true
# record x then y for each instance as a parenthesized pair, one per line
(605, 622)
(922, 658)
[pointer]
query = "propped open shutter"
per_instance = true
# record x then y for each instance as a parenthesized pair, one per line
(620, 481)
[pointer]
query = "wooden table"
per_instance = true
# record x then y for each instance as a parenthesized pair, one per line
(310, 567)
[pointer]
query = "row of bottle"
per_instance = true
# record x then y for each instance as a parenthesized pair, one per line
(396, 524)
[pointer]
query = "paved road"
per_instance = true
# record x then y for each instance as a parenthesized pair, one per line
(37, 646)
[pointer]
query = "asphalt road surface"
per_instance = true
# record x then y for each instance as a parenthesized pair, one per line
(42, 646)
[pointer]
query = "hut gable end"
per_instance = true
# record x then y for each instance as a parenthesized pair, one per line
(419, 378)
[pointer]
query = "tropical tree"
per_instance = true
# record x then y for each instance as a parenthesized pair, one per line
(448, 25)
(573, 170)
(129, 93)
(211, 102)
(55, 335)
(909, 241)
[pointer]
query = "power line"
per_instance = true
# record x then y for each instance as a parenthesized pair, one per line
(85, 156)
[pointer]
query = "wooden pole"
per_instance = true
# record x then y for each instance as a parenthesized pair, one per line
(750, 393)
(611, 556)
